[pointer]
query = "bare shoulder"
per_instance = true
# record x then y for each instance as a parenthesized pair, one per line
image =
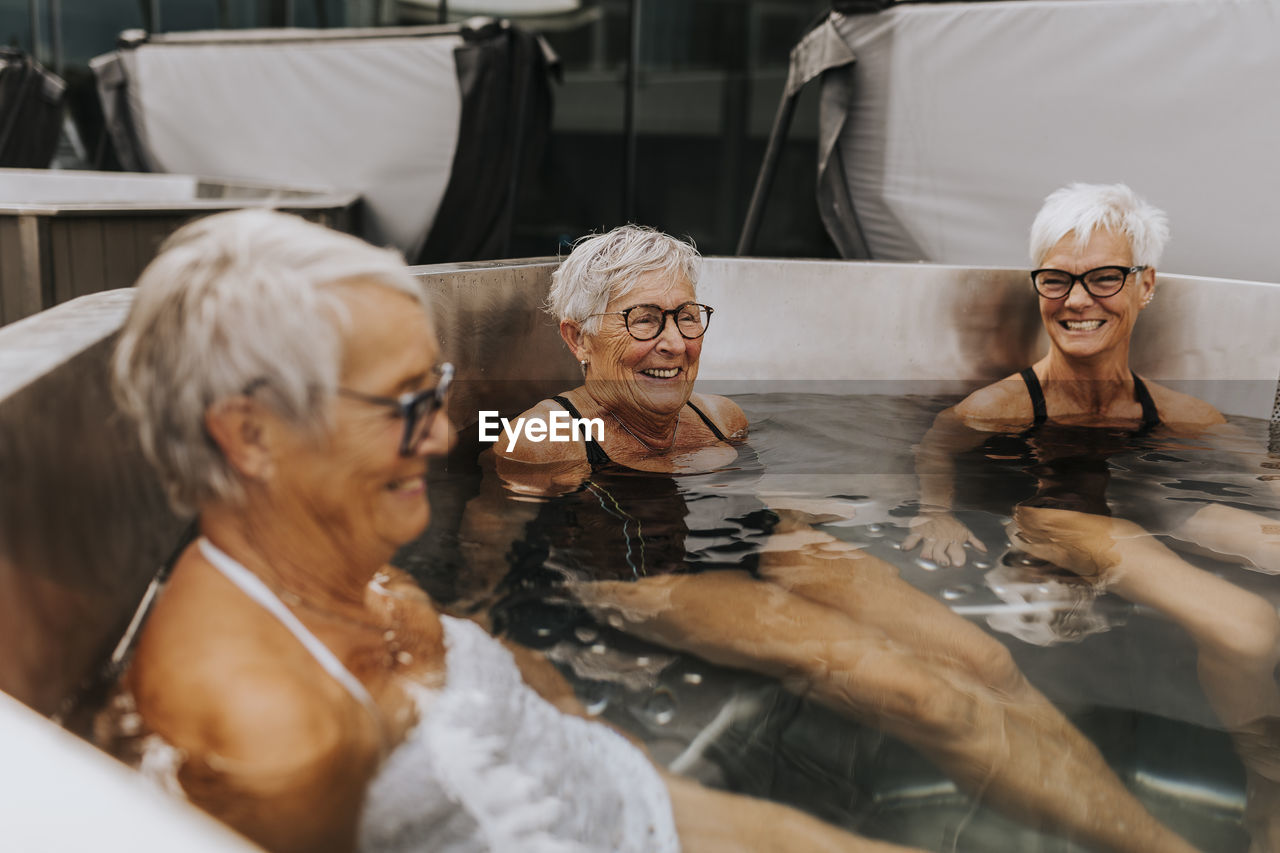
(269, 744)
(1182, 410)
(256, 716)
(724, 413)
(517, 442)
(541, 467)
(214, 670)
(996, 406)
(263, 747)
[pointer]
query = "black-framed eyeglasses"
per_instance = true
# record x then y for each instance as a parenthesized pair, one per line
(417, 408)
(646, 322)
(1099, 282)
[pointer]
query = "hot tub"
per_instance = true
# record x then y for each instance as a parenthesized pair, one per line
(83, 527)
(65, 234)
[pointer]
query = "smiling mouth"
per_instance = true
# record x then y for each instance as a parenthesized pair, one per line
(1081, 325)
(661, 372)
(408, 485)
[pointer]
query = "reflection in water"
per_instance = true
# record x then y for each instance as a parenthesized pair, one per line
(1092, 647)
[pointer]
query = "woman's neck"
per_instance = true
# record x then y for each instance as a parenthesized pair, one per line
(1090, 385)
(657, 431)
(307, 564)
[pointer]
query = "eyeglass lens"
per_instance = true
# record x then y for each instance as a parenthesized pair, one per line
(646, 322)
(1103, 281)
(421, 412)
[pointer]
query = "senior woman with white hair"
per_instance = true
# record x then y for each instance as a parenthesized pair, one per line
(288, 387)
(1061, 420)
(1096, 247)
(738, 584)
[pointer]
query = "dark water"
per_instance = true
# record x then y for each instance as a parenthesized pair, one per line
(1124, 674)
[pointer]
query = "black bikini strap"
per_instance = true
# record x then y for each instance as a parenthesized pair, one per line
(715, 430)
(595, 453)
(1150, 415)
(1037, 396)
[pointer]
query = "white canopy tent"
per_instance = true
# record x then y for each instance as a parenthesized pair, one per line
(944, 125)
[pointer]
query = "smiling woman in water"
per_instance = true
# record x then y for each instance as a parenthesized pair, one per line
(1066, 417)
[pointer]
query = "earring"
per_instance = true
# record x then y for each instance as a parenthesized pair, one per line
(583, 362)
(1146, 300)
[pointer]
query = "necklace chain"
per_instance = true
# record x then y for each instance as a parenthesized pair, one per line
(670, 444)
(390, 639)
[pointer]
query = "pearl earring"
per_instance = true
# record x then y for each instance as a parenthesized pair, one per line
(583, 362)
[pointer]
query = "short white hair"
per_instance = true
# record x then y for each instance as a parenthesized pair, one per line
(602, 267)
(1084, 208)
(232, 301)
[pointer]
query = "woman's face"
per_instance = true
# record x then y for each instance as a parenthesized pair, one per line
(1082, 325)
(353, 482)
(647, 376)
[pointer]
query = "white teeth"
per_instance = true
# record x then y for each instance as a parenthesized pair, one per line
(408, 484)
(1082, 325)
(661, 373)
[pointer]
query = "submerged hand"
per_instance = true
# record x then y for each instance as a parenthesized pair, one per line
(943, 536)
(1079, 541)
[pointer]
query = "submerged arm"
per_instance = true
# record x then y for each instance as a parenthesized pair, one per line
(1232, 531)
(936, 528)
(1237, 632)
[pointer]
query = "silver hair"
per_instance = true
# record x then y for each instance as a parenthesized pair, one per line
(1083, 208)
(602, 267)
(233, 301)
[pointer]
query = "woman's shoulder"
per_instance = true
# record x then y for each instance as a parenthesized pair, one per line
(1182, 410)
(999, 404)
(247, 713)
(534, 436)
(724, 413)
(258, 739)
(213, 674)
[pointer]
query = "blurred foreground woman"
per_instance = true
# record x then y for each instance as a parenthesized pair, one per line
(288, 387)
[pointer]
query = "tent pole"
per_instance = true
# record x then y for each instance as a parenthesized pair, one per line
(629, 117)
(772, 154)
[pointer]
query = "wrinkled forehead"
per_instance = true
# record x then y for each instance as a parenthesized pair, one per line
(655, 286)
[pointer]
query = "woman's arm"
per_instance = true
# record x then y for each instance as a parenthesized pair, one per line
(935, 527)
(1237, 632)
(273, 758)
(1237, 533)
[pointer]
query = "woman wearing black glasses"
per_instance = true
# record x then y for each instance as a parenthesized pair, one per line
(1066, 421)
(696, 561)
(1096, 248)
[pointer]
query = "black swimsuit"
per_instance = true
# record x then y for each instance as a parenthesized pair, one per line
(1069, 463)
(1150, 417)
(624, 524)
(597, 458)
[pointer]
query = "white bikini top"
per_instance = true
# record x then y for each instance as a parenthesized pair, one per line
(490, 766)
(252, 586)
